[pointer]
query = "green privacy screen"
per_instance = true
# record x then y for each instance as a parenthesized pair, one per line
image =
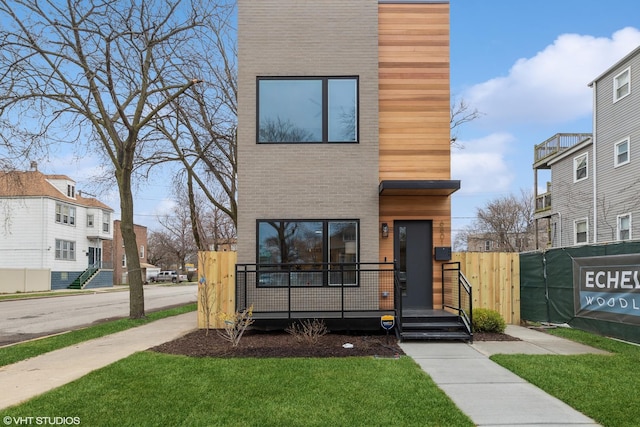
(595, 288)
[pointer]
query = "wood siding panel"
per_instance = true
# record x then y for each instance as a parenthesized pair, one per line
(414, 91)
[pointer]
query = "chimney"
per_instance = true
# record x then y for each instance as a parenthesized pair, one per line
(34, 166)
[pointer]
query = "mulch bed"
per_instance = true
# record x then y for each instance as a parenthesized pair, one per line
(282, 344)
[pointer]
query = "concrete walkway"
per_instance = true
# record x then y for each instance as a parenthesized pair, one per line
(28, 378)
(490, 394)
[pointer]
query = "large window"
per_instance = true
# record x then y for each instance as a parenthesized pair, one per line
(65, 214)
(624, 227)
(580, 167)
(65, 250)
(581, 231)
(319, 252)
(621, 85)
(314, 110)
(621, 153)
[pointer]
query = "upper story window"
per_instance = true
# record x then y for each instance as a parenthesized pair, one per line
(621, 153)
(71, 191)
(487, 245)
(90, 220)
(622, 85)
(65, 214)
(141, 251)
(581, 231)
(106, 219)
(307, 109)
(624, 227)
(580, 167)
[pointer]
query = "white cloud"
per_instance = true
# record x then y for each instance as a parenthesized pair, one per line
(551, 87)
(481, 165)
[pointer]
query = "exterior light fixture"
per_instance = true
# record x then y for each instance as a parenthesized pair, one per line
(384, 229)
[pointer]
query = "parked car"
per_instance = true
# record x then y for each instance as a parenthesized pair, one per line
(169, 276)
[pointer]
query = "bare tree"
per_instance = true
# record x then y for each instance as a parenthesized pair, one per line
(461, 113)
(506, 222)
(100, 72)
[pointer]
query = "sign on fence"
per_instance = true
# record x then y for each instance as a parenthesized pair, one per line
(607, 288)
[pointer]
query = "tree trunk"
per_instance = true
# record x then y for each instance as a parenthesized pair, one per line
(136, 291)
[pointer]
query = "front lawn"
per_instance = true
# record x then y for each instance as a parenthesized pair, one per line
(603, 387)
(154, 389)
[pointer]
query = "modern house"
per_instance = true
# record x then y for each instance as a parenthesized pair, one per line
(47, 224)
(594, 192)
(344, 160)
(114, 251)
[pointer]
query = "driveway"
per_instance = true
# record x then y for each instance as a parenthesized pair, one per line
(25, 319)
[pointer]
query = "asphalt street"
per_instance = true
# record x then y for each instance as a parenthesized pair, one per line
(25, 319)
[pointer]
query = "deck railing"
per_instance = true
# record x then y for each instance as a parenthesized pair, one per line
(557, 143)
(332, 290)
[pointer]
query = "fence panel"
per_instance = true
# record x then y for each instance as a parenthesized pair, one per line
(216, 287)
(495, 280)
(14, 280)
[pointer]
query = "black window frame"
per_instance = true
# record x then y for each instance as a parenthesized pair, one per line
(266, 269)
(325, 107)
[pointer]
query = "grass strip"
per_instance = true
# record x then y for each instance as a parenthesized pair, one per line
(152, 389)
(15, 353)
(603, 387)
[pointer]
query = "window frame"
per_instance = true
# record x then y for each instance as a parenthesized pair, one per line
(65, 214)
(325, 80)
(106, 222)
(575, 231)
(617, 85)
(616, 153)
(267, 270)
(575, 167)
(619, 229)
(65, 250)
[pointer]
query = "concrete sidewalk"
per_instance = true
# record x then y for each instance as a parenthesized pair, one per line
(490, 394)
(28, 378)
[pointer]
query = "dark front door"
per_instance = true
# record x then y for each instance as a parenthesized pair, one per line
(412, 250)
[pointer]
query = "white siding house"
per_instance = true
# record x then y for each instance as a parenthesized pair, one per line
(46, 224)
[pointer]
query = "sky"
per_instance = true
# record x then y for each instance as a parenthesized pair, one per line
(524, 65)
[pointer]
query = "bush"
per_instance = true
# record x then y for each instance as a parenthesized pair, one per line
(308, 331)
(487, 320)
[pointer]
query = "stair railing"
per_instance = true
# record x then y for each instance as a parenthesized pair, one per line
(457, 294)
(397, 300)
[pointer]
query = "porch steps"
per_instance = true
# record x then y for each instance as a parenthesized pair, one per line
(443, 327)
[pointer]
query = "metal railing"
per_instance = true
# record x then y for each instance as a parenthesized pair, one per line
(315, 290)
(457, 294)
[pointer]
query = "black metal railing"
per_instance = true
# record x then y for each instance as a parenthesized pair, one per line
(457, 294)
(397, 301)
(315, 290)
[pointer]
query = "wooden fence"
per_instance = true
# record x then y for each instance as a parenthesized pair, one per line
(216, 287)
(494, 278)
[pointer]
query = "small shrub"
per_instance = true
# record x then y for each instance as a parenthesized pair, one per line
(487, 320)
(308, 330)
(235, 325)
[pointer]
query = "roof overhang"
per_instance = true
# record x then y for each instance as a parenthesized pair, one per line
(418, 187)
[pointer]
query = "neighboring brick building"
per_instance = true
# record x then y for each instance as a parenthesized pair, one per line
(116, 253)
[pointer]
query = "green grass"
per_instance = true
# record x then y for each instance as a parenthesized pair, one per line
(152, 389)
(603, 387)
(17, 352)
